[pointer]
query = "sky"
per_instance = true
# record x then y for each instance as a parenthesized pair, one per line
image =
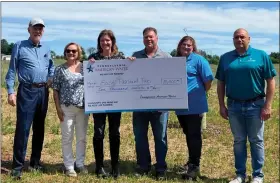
(211, 24)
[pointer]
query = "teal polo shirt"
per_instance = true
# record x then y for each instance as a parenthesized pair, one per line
(244, 75)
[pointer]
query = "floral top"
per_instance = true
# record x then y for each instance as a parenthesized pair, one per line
(70, 86)
(98, 56)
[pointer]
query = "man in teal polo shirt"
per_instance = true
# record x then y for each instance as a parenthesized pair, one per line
(241, 77)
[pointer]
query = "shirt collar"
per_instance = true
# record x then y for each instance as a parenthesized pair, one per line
(157, 53)
(34, 45)
(190, 56)
(248, 51)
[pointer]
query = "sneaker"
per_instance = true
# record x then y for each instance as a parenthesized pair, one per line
(71, 173)
(100, 172)
(238, 179)
(16, 174)
(115, 171)
(81, 170)
(257, 180)
(192, 173)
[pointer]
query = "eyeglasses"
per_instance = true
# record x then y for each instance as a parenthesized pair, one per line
(69, 51)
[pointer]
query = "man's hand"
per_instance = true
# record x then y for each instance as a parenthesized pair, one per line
(224, 112)
(60, 114)
(265, 113)
(12, 99)
(49, 83)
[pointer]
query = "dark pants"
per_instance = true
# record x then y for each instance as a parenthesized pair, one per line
(32, 105)
(159, 127)
(114, 137)
(191, 125)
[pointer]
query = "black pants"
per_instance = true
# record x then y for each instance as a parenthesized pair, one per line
(114, 137)
(32, 105)
(191, 125)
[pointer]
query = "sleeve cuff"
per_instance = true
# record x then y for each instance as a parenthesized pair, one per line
(10, 91)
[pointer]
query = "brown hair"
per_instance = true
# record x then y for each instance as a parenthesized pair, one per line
(110, 33)
(149, 29)
(186, 38)
(78, 49)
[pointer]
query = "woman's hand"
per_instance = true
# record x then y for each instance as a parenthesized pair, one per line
(131, 58)
(92, 60)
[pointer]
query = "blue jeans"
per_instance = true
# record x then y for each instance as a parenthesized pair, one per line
(245, 121)
(32, 105)
(159, 127)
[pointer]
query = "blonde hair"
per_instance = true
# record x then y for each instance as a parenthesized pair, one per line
(78, 49)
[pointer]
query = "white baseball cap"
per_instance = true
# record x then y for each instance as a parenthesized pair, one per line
(36, 21)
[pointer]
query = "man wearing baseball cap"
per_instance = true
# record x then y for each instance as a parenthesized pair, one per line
(32, 62)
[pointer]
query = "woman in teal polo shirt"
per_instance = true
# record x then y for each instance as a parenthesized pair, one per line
(199, 78)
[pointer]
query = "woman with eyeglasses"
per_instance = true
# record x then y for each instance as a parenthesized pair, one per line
(68, 94)
(106, 50)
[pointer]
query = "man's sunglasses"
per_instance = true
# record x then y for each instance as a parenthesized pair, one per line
(69, 51)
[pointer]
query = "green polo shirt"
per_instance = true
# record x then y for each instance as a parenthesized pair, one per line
(244, 75)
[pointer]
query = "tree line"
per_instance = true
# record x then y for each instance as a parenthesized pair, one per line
(6, 49)
(214, 59)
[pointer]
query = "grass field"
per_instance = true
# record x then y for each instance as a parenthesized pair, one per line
(217, 163)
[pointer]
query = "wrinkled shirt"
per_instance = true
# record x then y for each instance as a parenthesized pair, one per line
(70, 86)
(32, 63)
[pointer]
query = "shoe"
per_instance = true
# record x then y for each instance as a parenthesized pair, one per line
(193, 172)
(36, 167)
(16, 174)
(100, 172)
(115, 172)
(141, 172)
(71, 173)
(160, 176)
(183, 169)
(238, 179)
(257, 180)
(81, 170)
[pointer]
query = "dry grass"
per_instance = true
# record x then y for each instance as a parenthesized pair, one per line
(217, 163)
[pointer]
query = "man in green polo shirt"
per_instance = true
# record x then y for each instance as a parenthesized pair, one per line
(241, 75)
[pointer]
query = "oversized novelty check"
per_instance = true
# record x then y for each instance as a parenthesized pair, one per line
(139, 85)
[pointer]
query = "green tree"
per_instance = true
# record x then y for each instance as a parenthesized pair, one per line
(202, 53)
(84, 55)
(173, 52)
(275, 60)
(275, 55)
(53, 54)
(10, 49)
(5, 47)
(91, 50)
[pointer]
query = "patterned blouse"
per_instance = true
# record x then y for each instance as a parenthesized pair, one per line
(70, 86)
(98, 56)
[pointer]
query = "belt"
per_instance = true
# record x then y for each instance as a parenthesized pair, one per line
(36, 85)
(248, 100)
